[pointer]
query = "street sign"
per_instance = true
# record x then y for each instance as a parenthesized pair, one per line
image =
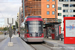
(69, 30)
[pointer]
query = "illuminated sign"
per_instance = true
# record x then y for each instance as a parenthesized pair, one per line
(34, 22)
(69, 30)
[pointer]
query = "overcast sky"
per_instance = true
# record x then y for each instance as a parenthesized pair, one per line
(9, 8)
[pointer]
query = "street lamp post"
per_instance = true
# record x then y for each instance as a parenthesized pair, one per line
(55, 12)
(23, 10)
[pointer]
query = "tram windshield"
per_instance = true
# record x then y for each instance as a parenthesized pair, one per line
(35, 26)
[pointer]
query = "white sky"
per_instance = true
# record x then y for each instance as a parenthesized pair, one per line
(9, 9)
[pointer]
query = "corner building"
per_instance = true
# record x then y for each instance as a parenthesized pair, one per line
(44, 8)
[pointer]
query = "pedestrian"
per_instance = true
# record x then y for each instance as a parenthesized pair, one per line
(18, 33)
(4, 34)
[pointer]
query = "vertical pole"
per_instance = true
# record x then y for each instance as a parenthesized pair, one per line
(8, 20)
(23, 10)
(10, 31)
(10, 35)
(55, 11)
(12, 20)
(14, 31)
(10, 39)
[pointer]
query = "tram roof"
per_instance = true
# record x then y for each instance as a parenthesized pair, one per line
(33, 16)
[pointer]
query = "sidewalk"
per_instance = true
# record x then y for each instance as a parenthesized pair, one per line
(2, 37)
(18, 44)
(59, 43)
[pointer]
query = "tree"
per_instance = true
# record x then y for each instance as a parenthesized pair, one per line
(16, 25)
(5, 29)
(1, 29)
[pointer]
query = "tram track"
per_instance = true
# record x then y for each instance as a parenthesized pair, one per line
(39, 45)
(42, 46)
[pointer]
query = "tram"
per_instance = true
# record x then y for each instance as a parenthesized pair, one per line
(32, 29)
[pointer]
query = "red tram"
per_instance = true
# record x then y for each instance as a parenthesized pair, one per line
(33, 30)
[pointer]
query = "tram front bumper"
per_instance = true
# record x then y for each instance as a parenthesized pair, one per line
(35, 39)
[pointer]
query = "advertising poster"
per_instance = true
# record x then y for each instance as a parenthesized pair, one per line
(70, 28)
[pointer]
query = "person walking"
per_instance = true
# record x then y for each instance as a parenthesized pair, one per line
(18, 33)
(4, 34)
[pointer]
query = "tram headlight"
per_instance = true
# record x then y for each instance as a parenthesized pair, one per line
(40, 35)
(30, 34)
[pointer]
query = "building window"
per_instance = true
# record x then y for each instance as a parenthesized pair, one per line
(53, 12)
(52, 0)
(59, 20)
(71, 15)
(47, 12)
(66, 0)
(52, 6)
(72, 5)
(65, 10)
(71, 10)
(61, 0)
(47, 5)
(65, 5)
(26, 0)
(59, 14)
(65, 15)
(47, 0)
(59, 8)
(72, 0)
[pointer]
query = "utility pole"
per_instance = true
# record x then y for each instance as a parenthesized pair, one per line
(23, 10)
(55, 11)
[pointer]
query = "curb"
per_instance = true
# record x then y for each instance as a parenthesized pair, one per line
(26, 45)
(55, 46)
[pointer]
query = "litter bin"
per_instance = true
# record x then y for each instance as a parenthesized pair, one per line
(53, 36)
